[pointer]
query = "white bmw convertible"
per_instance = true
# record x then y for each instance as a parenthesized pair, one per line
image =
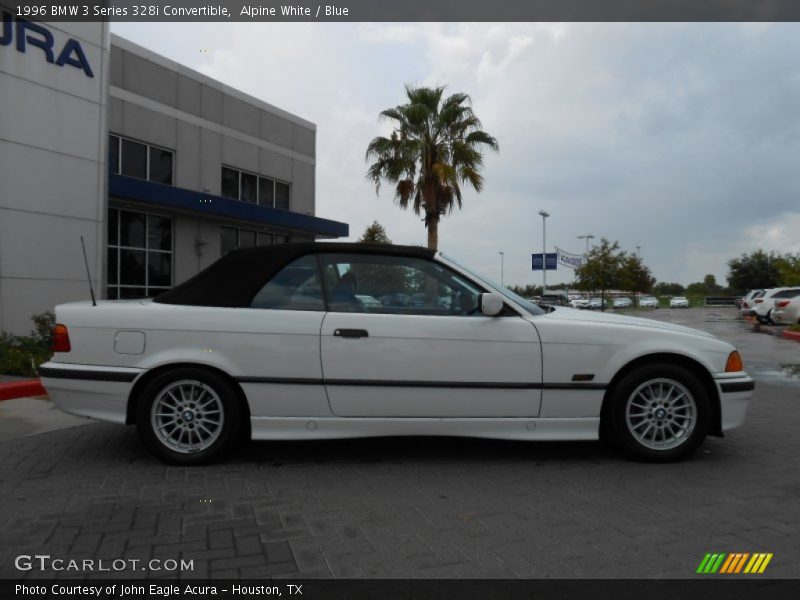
(329, 340)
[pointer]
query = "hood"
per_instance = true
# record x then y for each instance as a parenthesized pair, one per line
(573, 314)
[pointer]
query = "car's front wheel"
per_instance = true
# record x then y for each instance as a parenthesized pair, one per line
(188, 416)
(659, 412)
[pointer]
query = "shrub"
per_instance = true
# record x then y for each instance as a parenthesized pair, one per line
(22, 355)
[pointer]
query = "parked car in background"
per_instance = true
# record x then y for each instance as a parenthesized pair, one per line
(554, 298)
(273, 343)
(597, 303)
(748, 302)
(765, 304)
(648, 302)
(787, 311)
(622, 302)
(678, 302)
(581, 302)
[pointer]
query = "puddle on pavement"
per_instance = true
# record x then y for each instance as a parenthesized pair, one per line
(789, 373)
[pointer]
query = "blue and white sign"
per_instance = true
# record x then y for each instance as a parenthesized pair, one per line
(573, 261)
(551, 262)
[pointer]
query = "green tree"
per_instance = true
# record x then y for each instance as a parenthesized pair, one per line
(710, 283)
(602, 269)
(375, 234)
(663, 288)
(635, 276)
(789, 268)
(755, 270)
(435, 147)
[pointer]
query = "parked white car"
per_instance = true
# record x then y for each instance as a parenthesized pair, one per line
(678, 302)
(765, 304)
(748, 302)
(272, 343)
(580, 302)
(597, 303)
(648, 302)
(622, 303)
(787, 311)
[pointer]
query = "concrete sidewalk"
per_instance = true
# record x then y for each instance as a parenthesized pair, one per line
(28, 416)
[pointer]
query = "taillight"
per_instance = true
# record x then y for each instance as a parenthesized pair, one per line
(782, 303)
(734, 364)
(61, 339)
(759, 300)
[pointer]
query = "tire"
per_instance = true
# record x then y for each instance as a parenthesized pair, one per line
(659, 413)
(189, 416)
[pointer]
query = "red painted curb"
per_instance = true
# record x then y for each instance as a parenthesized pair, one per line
(21, 389)
(792, 335)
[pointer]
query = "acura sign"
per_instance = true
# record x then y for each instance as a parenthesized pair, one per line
(27, 33)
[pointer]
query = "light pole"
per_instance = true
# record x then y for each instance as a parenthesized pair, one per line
(544, 249)
(638, 252)
(500, 252)
(586, 237)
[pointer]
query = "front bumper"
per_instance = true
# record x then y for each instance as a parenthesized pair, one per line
(735, 391)
(89, 390)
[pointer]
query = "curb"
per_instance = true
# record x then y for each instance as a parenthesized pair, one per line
(21, 389)
(792, 335)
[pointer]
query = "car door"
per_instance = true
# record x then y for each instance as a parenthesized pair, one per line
(278, 354)
(419, 346)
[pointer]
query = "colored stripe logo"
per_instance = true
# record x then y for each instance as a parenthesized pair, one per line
(734, 563)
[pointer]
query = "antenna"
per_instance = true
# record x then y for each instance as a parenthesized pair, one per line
(88, 274)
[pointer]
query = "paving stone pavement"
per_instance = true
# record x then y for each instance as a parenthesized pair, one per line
(410, 507)
(413, 507)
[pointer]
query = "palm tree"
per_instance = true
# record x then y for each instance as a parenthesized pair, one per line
(435, 147)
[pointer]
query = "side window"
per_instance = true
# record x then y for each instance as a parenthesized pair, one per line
(295, 287)
(395, 285)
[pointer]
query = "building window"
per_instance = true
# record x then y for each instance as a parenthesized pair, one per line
(139, 160)
(139, 254)
(232, 238)
(248, 187)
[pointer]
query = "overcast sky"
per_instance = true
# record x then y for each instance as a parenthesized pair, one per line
(683, 139)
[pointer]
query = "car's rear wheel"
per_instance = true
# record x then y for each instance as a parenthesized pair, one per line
(659, 412)
(188, 416)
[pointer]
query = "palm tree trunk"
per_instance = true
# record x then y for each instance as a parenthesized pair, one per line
(433, 232)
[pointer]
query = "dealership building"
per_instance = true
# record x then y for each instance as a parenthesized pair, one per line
(159, 168)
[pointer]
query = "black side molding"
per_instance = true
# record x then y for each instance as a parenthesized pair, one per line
(55, 373)
(737, 386)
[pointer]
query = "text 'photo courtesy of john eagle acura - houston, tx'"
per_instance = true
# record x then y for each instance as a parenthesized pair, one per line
(331, 340)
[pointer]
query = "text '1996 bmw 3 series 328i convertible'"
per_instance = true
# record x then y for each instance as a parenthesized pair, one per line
(332, 340)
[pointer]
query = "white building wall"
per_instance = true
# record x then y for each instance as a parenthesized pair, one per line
(52, 171)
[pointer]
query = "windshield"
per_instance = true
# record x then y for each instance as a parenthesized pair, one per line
(527, 305)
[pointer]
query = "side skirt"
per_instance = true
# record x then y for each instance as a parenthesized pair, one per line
(311, 428)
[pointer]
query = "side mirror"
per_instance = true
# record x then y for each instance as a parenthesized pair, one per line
(490, 304)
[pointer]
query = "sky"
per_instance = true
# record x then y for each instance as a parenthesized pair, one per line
(680, 139)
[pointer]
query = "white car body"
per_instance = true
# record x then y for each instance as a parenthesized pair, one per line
(521, 377)
(748, 302)
(648, 302)
(678, 302)
(787, 311)
(596, 303)
(765, 304)
(622, 303)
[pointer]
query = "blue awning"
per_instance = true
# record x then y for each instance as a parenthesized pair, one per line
(167, 196)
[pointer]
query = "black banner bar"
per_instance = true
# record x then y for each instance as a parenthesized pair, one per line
(707, 587)
(407, 10)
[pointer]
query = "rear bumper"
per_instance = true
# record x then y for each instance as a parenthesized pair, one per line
(88, 390)
(735, 391)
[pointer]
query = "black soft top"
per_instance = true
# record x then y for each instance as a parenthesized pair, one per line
(234, 279)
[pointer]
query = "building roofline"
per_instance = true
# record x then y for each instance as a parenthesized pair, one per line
(167, 63)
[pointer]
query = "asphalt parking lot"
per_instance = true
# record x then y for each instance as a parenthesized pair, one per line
(418, 508)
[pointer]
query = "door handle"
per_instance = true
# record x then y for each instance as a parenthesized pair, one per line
(351, 333)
